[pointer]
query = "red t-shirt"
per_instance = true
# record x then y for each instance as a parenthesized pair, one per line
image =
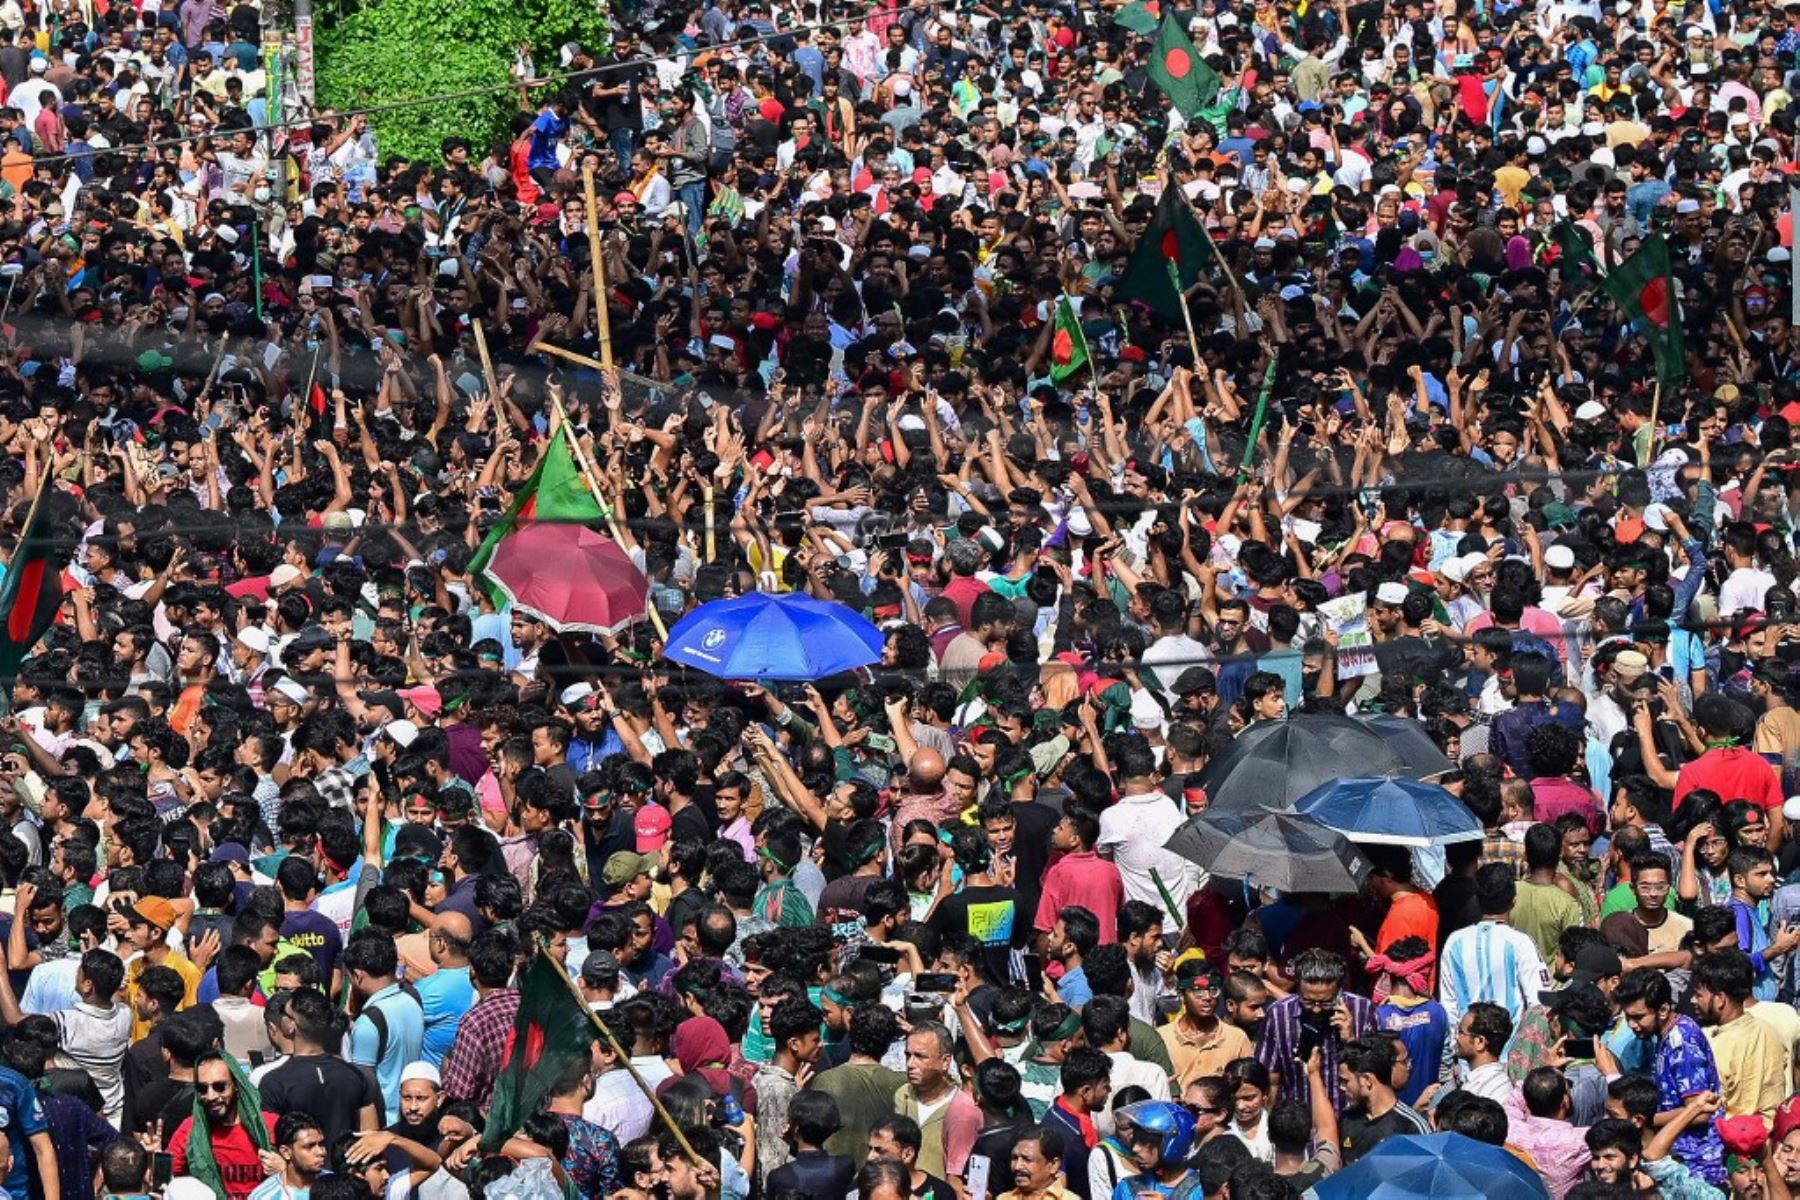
(1735, 773)
(240, 1170)
(962, 592)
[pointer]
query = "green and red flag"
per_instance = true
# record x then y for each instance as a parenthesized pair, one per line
(552, 1031)
(31, 593)
(1575, 260)
(1171, 257)
(1140, 16)
(555, 492)
(1068, 344)
(1643, 287)
(1177, 68)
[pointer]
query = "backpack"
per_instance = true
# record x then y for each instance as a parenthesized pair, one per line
(378, 1019)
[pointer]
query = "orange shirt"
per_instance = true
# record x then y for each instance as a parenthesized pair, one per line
(1412, 914)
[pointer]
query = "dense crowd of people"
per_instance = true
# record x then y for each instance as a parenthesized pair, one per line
(901, 306)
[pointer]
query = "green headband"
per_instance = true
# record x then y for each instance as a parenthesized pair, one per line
(1070, 1025)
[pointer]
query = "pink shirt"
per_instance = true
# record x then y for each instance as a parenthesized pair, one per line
(1553, 795)
(1533, 620)
(1088, 880)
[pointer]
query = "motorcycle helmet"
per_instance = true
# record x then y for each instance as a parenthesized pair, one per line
(1166, 1119)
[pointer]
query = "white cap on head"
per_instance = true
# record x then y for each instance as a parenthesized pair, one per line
(403, 733)
(1391, 593)
(421, 1070)
(1559, 558)
(256, 638)
(1590, 410)
(294, 691)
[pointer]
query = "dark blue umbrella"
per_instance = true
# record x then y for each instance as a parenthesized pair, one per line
(760, 636)
(1438, 1166)
(1390, 811)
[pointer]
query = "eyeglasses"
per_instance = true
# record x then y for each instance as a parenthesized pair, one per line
(207, 1089)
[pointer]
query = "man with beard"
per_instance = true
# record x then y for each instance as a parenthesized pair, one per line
(217, 1145)
(421, 1099)
(1199, 1043)
(1246, 1000)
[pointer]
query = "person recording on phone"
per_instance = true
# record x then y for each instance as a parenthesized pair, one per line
(1319, 1015)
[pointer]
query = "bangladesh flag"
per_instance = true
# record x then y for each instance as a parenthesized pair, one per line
(1140, 16)
(555, 492)
(552, 1030)
(1644, 289)
(31, 593)
(1168, 260)
(1068, 345)
(1574, 256)
(1177, 68)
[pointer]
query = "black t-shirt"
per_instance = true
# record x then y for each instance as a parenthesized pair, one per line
(1031, 846)
(684, 908)
(837, 849)
(325, 1087)
(690, 824)
(1362, 1133)
(993, 916)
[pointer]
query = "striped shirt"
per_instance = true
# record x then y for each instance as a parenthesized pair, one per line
(1490, 962)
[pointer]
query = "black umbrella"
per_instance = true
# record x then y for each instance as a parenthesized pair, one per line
(1282, 850)
(1272, 765)
(1409, 740)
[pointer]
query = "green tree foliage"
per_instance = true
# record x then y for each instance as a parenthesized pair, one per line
(391, 51)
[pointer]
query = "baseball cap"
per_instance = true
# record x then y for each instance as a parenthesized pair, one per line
(600, 966)
(651, 825)
(624, 866)
(425, 698)
(313, 637)
(1594, 962)
(156, 911)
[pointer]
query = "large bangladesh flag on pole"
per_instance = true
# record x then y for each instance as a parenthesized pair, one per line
(1170, 257)
(552, 1031)
(555, 492)
(1644, 289)
(1177, 68)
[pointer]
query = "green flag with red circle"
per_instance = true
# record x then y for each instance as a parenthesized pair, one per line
(1643, 287)
(1068, 344)
(1177, 68)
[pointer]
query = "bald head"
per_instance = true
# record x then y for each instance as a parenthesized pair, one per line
(926, 771)
(450, 938)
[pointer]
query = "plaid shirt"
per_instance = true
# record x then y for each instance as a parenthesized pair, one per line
(1279, 1045)
(480, 1047)
(338, 784)
(1496, 847)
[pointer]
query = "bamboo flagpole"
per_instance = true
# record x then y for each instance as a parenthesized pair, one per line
(586, 467)
(1262, 411)
(603, 316)
(578, 359)
(487, 364)
(606, 1033)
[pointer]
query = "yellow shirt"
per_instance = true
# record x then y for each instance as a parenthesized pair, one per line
(190, 977)
(1749, 1058)
(1785, 1022)
(1197, 1055)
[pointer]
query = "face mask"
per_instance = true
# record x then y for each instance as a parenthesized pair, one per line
(262, 195)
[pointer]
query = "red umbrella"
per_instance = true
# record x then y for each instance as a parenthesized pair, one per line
(573, 579)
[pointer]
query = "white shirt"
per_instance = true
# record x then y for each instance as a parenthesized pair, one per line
(1489, 1081)
(1132, 834)
(1493, 963)
(1744, 588)
(619, 1106)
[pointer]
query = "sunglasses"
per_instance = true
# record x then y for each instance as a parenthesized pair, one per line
(206, 1089)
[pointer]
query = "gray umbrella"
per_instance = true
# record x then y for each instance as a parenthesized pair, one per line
(1282, 850)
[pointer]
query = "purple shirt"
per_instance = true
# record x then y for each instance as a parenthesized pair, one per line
(1278, 1047)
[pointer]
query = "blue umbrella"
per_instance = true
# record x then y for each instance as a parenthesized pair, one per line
(1438, 1166)
(1390, 811)
(759, 636)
